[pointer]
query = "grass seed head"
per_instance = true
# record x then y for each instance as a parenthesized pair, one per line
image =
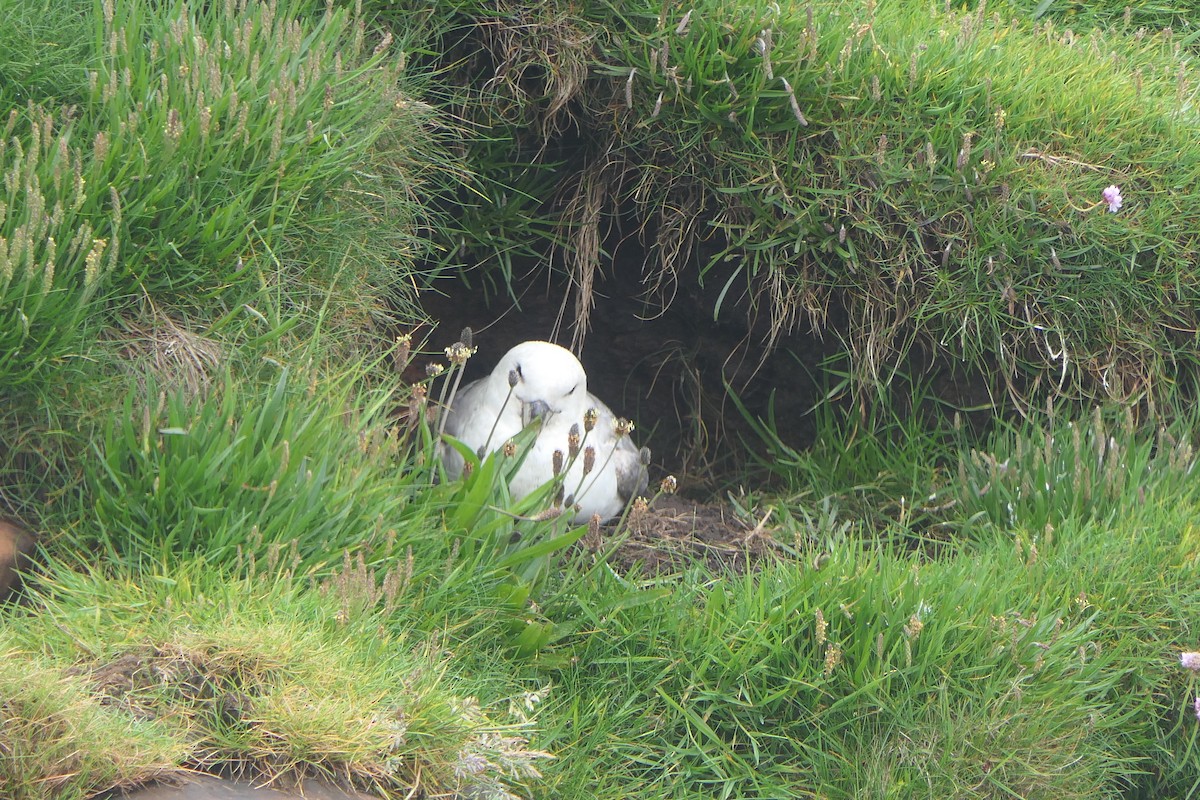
(550, 513)
(401, 353)
(173, 128)
(638, 512)
(833, 657)
(459, 352)
(964, 153)
(592, 540)
(418, 396)
(682, 28)
(590, 418)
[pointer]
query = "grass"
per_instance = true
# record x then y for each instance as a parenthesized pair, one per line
(250, 559)
(46, 55)
(294, 472)
(883, 461)
(1124, 16)
(895, 176)
(880, 674)
(188, 166)
(1036, 661)
(256, 673)
(60, 742)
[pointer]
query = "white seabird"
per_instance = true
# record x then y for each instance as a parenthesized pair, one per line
(540, 380)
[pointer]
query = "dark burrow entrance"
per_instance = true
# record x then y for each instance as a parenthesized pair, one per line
(672, 370)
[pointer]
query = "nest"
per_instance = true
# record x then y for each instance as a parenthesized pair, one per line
(675, 532)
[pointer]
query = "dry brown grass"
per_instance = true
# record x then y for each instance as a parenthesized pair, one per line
(179, 358)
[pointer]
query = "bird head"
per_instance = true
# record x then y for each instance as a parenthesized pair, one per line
(544, 378)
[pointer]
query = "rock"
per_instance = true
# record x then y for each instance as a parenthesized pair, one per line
(209, 787)
(16, 547)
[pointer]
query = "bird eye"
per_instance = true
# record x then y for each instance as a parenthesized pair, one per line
(573, 388)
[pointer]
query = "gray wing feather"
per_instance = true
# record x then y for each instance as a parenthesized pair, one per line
(632, 476)
(462, 406)
(457, 415)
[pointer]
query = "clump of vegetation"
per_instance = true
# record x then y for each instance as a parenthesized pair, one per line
(1078, 469)
(204, 140)
(255, 674)
(894, 176)
(46, 55)
(298, 477)
(59, 740)
(867, 666)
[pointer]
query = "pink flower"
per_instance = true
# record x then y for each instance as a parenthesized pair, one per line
(1112, 196)
(1190, 661)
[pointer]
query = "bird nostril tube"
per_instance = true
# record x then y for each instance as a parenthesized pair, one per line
(536, 410)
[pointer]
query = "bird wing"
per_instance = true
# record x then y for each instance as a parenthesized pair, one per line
(465, 409)
(630, 465)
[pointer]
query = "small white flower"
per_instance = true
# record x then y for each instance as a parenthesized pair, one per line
(1112, 196)
(1190, 661)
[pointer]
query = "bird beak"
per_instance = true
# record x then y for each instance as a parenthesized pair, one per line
(536, 409)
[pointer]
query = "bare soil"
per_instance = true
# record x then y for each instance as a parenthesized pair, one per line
(676, 532)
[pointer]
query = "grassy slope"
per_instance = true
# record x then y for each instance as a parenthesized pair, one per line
(1039, 662)
(902, 177)
(281, 586)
